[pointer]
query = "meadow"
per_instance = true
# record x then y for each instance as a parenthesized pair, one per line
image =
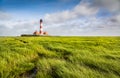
(59, 57)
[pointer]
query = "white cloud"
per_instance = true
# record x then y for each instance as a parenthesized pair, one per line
(111, 5)
(82, 9)
(118, 18)
(4, 16)
(18, 27)
(82, 20)
(87, 26)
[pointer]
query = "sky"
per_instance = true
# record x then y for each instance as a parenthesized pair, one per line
(60, 17)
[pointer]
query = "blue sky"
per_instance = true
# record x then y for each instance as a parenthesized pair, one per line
(36, 7)
(61, 17)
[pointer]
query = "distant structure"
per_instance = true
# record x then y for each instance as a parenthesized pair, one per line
(36, 33)
(41, 29)
(45, 33)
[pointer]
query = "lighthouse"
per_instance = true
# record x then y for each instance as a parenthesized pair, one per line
(38, 33)
(41, 27)
(41, 32)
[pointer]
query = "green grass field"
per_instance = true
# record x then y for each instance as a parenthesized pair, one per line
(59, 57)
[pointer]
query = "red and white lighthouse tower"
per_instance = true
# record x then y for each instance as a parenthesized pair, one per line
(41, 28)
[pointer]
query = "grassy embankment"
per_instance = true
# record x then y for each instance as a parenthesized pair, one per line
(60, 57)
